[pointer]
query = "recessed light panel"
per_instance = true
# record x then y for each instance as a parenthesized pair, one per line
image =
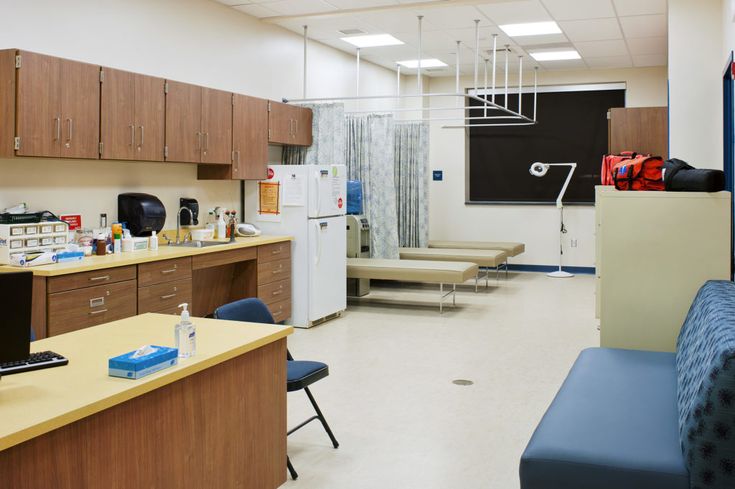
(531, 29)
(373, 40)
(555, 55)
(425, 63)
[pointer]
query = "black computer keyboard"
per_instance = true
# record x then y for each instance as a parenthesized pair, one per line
(42, 359)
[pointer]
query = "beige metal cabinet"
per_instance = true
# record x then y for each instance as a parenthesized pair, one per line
(654, 251)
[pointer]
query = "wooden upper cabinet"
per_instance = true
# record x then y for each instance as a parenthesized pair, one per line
(216, 126)
(7, 103)
(183, 122)
(133, 112)
(57, 113)
(249, 143)
(289, 124)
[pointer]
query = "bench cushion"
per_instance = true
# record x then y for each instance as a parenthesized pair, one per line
(613, 425)
(445, 272)
(484, 258)
(512, 249)
(705, 362)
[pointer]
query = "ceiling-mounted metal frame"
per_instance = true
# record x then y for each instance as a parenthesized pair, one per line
(512, 117)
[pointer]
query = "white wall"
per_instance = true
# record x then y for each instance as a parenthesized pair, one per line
(196, 41)
(728, 27)
(695, 81)
(536, 226)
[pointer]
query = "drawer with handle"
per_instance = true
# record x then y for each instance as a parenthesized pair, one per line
(273, 270)
(90, 279)
(273, 252)
(167, 295)
(277, 291)
(280, 310)
(82, 308)
(164, 271)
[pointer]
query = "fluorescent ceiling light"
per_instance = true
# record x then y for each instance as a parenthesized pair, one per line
(372, 41)
(555, 55)
(531, 29)
(425, 63)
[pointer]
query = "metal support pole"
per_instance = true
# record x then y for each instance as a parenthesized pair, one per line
(535, 91)
(477, 50)
(456, 72)
(398, 84)
(495, 50)
(306, 30)
(357, 81)
(520, 84)
(419, 83)
(507, 46)
(485, 97)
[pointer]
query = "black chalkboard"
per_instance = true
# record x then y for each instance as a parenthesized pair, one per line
(572, 127)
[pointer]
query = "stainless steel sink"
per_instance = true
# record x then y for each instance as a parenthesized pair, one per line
(200, 244)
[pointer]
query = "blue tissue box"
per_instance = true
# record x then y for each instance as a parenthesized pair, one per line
(135, 368)
(64, 256)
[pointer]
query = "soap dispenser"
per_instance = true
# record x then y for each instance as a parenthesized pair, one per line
(185, 333)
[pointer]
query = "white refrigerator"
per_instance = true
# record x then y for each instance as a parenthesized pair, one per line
(307, 202)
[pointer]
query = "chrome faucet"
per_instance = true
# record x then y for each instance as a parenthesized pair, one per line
(178, 223)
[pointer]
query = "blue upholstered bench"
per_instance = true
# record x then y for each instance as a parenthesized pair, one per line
(626, 419)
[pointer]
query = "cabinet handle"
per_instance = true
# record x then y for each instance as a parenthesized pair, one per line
(274, 272)
(142, 135)
(168, 296)
(237, 161)
(103, 277)
(276, 252)
(92, 313)
(295, 127)
(206, 141)
(71, 126)
(132, 135)
(173, 270)
(277, 292)
(199, 141)
(57, 123)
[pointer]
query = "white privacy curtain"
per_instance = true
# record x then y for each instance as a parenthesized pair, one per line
(328, 132)
(370, 158)
(412, 183)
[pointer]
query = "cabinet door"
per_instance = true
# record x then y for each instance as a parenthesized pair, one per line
(117, 129)
(80, 110)
(38, 111)
(150, 117)
(250, 138)
(280, 123)
(302, 126)
(216, 126)
(183, 122)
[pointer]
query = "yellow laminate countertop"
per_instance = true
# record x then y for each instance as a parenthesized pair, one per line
(164, 252)
(34, 403)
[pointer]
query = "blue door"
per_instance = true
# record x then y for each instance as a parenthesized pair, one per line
(728, 98)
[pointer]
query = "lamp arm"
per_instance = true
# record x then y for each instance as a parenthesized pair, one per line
(572, 167)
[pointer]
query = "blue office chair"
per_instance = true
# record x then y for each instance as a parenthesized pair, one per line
(300, 373)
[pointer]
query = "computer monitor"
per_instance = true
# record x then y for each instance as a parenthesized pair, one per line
(16, 292)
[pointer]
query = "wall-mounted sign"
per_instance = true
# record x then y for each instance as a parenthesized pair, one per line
(437, 175)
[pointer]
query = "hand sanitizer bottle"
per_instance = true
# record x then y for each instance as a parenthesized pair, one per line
(185, 333)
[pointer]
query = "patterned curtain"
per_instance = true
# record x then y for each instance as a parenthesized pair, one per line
(412, 183)
(370, 157)
(328, 131)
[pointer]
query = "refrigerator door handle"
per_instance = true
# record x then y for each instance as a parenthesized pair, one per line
(318, 190)
(318, 243)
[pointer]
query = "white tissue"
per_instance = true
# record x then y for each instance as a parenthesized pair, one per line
(144, 351)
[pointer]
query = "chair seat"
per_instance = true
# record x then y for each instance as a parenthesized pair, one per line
(302, 373)
(613, 425)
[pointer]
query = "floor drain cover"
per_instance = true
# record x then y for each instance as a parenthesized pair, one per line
(462, 382)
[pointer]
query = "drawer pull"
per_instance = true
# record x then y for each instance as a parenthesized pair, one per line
(91, 313)
(167, 296)
(173, 270)
(276, 271)
(96, 302)
(96, 279)
(275, 252)
(277, 292)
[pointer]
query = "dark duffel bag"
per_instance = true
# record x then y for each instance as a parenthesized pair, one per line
(680, 176)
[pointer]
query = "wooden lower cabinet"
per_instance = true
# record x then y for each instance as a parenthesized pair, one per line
(274, 279)
(90, 306)
(164, 297)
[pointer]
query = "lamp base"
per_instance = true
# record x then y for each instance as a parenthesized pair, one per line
(560, 274)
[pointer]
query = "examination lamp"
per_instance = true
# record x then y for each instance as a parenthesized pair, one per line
(539, 169)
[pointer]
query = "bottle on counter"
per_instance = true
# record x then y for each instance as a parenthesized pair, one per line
(101, 249)
(117, 244)
(103, 221)
(153, 243)
(232, 226)
(221, 230)
(185, 334)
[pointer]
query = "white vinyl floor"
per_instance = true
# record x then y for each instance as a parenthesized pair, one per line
(390, 400)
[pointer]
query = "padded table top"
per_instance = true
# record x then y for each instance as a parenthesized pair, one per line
(446, 272)
(484, 258)
(511, 248)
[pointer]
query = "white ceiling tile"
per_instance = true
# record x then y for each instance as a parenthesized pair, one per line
(596, 49)
(349, 4)
(543, 39)
(569, 64)
(256, 10)
(433, 40)
(230, 3)
(591, 29)
(644, 26)
(396, 21)
(640, 7)
(329, 27)
(515, 12)
(649, 45)
(609, 62)
(576, 9)
(299, 7)
(454, 17)
(650, 60)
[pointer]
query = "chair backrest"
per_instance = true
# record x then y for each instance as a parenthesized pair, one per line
(705, 365)
(251, 310)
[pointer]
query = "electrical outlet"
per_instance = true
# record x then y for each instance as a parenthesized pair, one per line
(573, 243)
